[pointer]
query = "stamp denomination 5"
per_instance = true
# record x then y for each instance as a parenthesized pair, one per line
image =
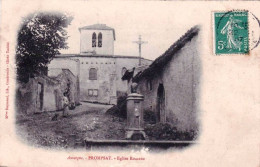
(231, 32)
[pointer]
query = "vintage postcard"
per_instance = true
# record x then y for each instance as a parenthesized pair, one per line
(130, 83)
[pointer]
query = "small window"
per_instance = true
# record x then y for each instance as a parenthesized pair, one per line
(93, 92)
(100, 40)
(94, 39)
(93, 74)
(90, 92)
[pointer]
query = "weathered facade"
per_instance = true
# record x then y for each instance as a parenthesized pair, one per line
(44, 93)
(170, 85)
(99, 75)
(98, 69)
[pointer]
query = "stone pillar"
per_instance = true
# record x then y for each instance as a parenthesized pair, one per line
(135, 122)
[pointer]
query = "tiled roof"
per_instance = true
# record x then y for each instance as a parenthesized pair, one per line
(98, 27)
(134, 71)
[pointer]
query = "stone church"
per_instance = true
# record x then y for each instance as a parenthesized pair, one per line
(97, 69)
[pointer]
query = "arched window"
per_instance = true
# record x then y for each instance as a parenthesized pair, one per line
(99, 39)
(92, 74)
(123, 71)
(94, 39)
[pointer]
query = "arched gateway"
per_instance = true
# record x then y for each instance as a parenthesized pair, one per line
(160, 113)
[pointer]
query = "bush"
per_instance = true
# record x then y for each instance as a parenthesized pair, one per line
(149, 117)
(121, 104)
(119, 110)
(165, 131)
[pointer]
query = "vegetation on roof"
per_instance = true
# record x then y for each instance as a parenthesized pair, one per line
(162, 60)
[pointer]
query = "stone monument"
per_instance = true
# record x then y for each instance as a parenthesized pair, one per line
(135, 122)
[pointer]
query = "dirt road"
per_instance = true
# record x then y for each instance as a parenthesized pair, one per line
(85, 121)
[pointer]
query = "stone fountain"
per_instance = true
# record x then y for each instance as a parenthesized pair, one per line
(135, 122)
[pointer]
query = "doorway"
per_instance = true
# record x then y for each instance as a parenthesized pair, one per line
(160, 114)
(39, 97)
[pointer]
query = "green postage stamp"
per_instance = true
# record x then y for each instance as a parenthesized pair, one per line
(231, 32)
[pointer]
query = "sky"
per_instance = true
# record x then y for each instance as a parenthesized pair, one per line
(159, 25)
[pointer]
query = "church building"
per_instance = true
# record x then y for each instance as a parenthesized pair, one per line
(97, 69)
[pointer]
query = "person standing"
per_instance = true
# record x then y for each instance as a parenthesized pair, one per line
(65, 102)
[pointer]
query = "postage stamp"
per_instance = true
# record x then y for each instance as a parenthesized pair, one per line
(231, 32)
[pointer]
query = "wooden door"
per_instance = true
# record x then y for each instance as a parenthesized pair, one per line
(160, 104)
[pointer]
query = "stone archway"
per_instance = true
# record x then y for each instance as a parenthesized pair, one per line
(160, 113)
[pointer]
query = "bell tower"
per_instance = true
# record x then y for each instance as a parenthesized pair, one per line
(97, 39)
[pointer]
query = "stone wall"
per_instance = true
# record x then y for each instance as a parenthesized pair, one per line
(29, 96)
(67, 79)
(57, 64)
(109, 74)
(180, 78)
(150, 96)
(105, 82)
(64, 69)
(127, 63)
(45, 94)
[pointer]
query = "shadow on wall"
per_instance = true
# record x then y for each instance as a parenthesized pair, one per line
(171, 86)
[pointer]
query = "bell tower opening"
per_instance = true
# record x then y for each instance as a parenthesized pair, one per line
(97, 39)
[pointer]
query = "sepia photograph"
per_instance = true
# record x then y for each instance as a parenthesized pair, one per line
(129, 83)
(97, 97)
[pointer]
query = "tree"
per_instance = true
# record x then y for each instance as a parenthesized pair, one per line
(40, 38)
